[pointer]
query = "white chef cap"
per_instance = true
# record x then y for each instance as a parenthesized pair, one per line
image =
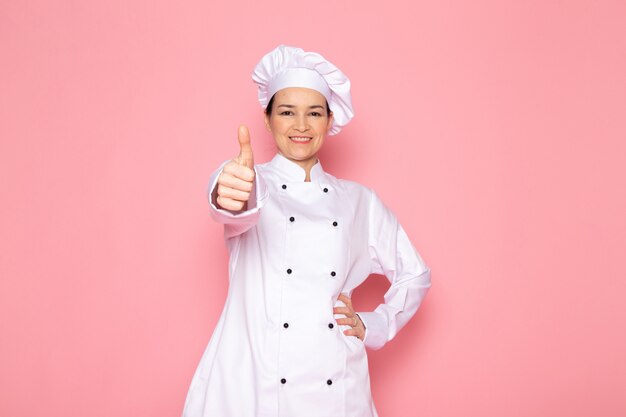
(287, 66)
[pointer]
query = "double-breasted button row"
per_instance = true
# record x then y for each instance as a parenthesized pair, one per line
(284, 186)
(330, 325)
(289, 271)
(332, 273)
(293, 219)
(284, 381)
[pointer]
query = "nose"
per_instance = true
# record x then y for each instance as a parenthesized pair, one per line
(301, 124)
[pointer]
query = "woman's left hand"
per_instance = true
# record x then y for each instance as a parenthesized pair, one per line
(352, 319)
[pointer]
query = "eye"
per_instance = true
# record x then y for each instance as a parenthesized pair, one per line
(286, 113)
(316, 114)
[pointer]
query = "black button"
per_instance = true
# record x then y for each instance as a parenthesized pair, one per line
(325, 189)
(334, 223)
(289, 270)
(329, 382)
(333, 273)
(284, 186)
(330, 325)
(286, 325)
(291, 219)
(283, 380)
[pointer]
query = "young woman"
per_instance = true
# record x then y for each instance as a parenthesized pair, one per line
(288, 342)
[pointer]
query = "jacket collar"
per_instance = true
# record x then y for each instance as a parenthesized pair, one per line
(294, 172)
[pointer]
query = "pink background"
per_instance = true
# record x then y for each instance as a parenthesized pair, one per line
(494, 130)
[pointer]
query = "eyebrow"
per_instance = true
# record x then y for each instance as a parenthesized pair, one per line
(291, 106)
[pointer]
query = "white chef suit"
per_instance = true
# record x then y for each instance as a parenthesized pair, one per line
(277, 350)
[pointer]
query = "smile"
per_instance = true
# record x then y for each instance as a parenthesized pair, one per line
(300, 139)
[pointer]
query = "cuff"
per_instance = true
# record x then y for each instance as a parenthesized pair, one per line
(375, 329)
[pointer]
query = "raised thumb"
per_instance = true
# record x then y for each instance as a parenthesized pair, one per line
(245, 156)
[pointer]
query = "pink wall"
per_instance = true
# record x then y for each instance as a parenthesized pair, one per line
(495, 131)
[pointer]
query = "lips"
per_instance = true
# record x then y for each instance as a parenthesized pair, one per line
(300, 139)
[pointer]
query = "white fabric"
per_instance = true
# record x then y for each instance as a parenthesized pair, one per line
(250, 350)
(298, 77)
(288, 66)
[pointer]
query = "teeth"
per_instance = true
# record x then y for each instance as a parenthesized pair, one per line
(300, 139)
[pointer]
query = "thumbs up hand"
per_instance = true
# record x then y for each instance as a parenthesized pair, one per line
(237, 178)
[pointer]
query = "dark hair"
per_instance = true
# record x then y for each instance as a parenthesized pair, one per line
(268, 109)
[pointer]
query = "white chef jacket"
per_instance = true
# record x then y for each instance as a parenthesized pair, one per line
(277, 350)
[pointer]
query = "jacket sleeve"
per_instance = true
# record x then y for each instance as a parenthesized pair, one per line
(237, 222)
(392, 254)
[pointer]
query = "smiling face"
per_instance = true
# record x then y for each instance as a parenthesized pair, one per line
(299, 122)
